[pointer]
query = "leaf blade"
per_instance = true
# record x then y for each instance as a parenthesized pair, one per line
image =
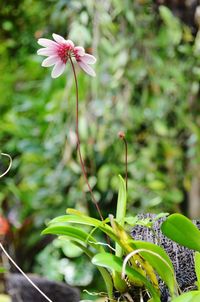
(180, 229)
(113, 262)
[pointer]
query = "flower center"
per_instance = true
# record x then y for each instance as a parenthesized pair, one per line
(64, 51)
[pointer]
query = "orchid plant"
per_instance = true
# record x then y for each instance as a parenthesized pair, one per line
(127, 263)
(59, 52)
(130, 263)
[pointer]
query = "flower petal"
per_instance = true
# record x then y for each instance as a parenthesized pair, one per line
(46, 42)
(88, 59)
(87, 68)
(69, 43)
(58, 38)
(58, 69)
(79, 50)
(46, 52)
(50, 61)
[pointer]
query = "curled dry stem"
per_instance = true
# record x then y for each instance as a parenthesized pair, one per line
(10, 164)
(25, 276)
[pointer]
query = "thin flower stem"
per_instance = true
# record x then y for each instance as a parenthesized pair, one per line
(25, 276)
(79, 143)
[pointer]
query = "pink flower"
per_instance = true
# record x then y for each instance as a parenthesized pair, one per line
(59, 51)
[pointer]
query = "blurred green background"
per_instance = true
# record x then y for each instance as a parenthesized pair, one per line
(147, 85)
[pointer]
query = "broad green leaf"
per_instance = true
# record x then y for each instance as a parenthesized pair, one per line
(85, 220)
(117, 233)
(180, 229)
(115, 263)
(192, 296)
(160, 261)
(77, 217)
(197, 267)
(74, 234)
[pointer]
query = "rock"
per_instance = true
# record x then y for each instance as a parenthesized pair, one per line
(181, 257)
(22, 291)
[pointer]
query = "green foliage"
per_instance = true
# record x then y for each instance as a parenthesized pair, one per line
(37, 121)
(197, 268)
(146, 254)
(160, 261)
(115, 263)
(181, 230)
(192, 296)
(121, 210)
(147, 84)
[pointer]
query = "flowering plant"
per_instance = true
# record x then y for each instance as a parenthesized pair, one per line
(127, 263)
(133, 263)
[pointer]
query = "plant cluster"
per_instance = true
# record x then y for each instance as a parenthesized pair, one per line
(129, 263)
(135, 263)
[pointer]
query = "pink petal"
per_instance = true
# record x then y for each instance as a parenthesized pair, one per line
(58, 38)
(50, 61)
(88, 59)
(46, 52)
(46, 42)
(69, 42)
(58, 69)
(79, 50)
(87, 68)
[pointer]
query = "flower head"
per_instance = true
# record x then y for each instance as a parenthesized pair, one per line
(59, 51)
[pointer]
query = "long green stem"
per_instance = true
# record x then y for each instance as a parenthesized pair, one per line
(121, 135)
(126, 162)
(79, 143)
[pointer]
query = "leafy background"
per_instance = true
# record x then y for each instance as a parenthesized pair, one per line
(147, 85)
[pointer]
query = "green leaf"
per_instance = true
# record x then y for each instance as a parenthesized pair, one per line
(197, 267)
(74, 234)
(180, 229)
(192, 296)
(5, 298)
(160, 261)
(121, 202)
(79, 218)
(115, 263)
(121, 211)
